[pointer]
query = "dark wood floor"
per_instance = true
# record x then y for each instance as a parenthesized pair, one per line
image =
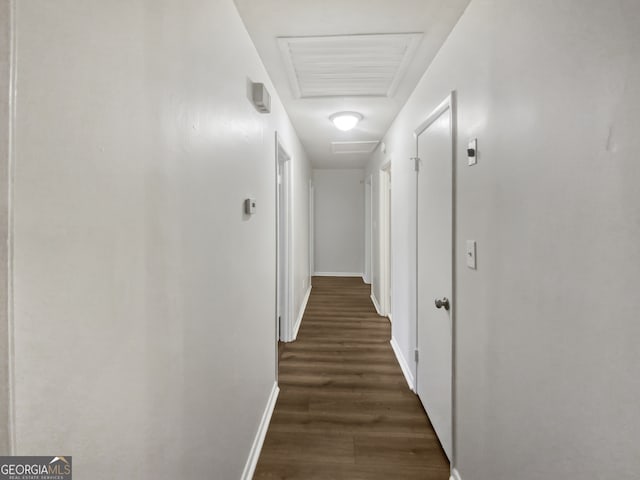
(344, 410)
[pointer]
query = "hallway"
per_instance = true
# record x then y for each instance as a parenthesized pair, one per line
(185, 184)
(345, 411)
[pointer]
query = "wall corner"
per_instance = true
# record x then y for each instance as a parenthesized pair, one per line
(6, 115)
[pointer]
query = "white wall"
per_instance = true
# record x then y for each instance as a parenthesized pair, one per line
(339, 221)
(5, 50)
(547, 327)
(139, 333)
(301, 175)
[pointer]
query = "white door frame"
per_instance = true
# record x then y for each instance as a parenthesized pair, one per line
(8, 22)
(312, 228)
(385, 240)
(284, 224)
(368, 237)
(447, 104)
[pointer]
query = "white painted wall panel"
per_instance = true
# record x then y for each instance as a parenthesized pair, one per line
(547, 325)
(339, 221)
(144, 297)
(301, 266)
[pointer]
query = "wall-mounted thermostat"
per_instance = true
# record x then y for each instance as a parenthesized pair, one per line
(250, 206)
(472, 151)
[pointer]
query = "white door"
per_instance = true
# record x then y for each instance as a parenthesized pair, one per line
(434, 270)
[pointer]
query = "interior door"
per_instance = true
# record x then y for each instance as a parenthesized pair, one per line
(434, 271)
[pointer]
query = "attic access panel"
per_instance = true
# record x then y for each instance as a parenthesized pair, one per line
(347, 65)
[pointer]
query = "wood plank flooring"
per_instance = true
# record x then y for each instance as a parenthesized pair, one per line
(344, 410)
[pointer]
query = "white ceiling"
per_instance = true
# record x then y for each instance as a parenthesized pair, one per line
(351, 68)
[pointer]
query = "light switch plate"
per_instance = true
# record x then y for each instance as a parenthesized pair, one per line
(471, 254)
(473, 145)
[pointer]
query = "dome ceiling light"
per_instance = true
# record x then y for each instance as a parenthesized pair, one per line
(345, 121)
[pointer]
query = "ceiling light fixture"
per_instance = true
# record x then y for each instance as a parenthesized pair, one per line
(345, 121)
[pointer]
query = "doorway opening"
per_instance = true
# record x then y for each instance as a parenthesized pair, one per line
(385, 241)
(312, 221)
(284, 230)
(368, 202)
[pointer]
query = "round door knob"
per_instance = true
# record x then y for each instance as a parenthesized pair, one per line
(442, 303)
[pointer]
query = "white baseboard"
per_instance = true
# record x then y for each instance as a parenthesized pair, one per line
(258, 441)
(303, 307)
(455, 475)
(376, 304)
(403, 364)
(366, 280)
(390, 318)
(337, 274)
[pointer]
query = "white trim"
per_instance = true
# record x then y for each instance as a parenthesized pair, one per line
(11, 157)
(371, 256)
(390, 317)
(285, 52)
(312, 226)
(403, 364)
(376, 304)
(368, 237)
(455, 475)
(303, 307)
(284, 267)
(384, 238)
(447, 104)
(338, 274)
(258, 441)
